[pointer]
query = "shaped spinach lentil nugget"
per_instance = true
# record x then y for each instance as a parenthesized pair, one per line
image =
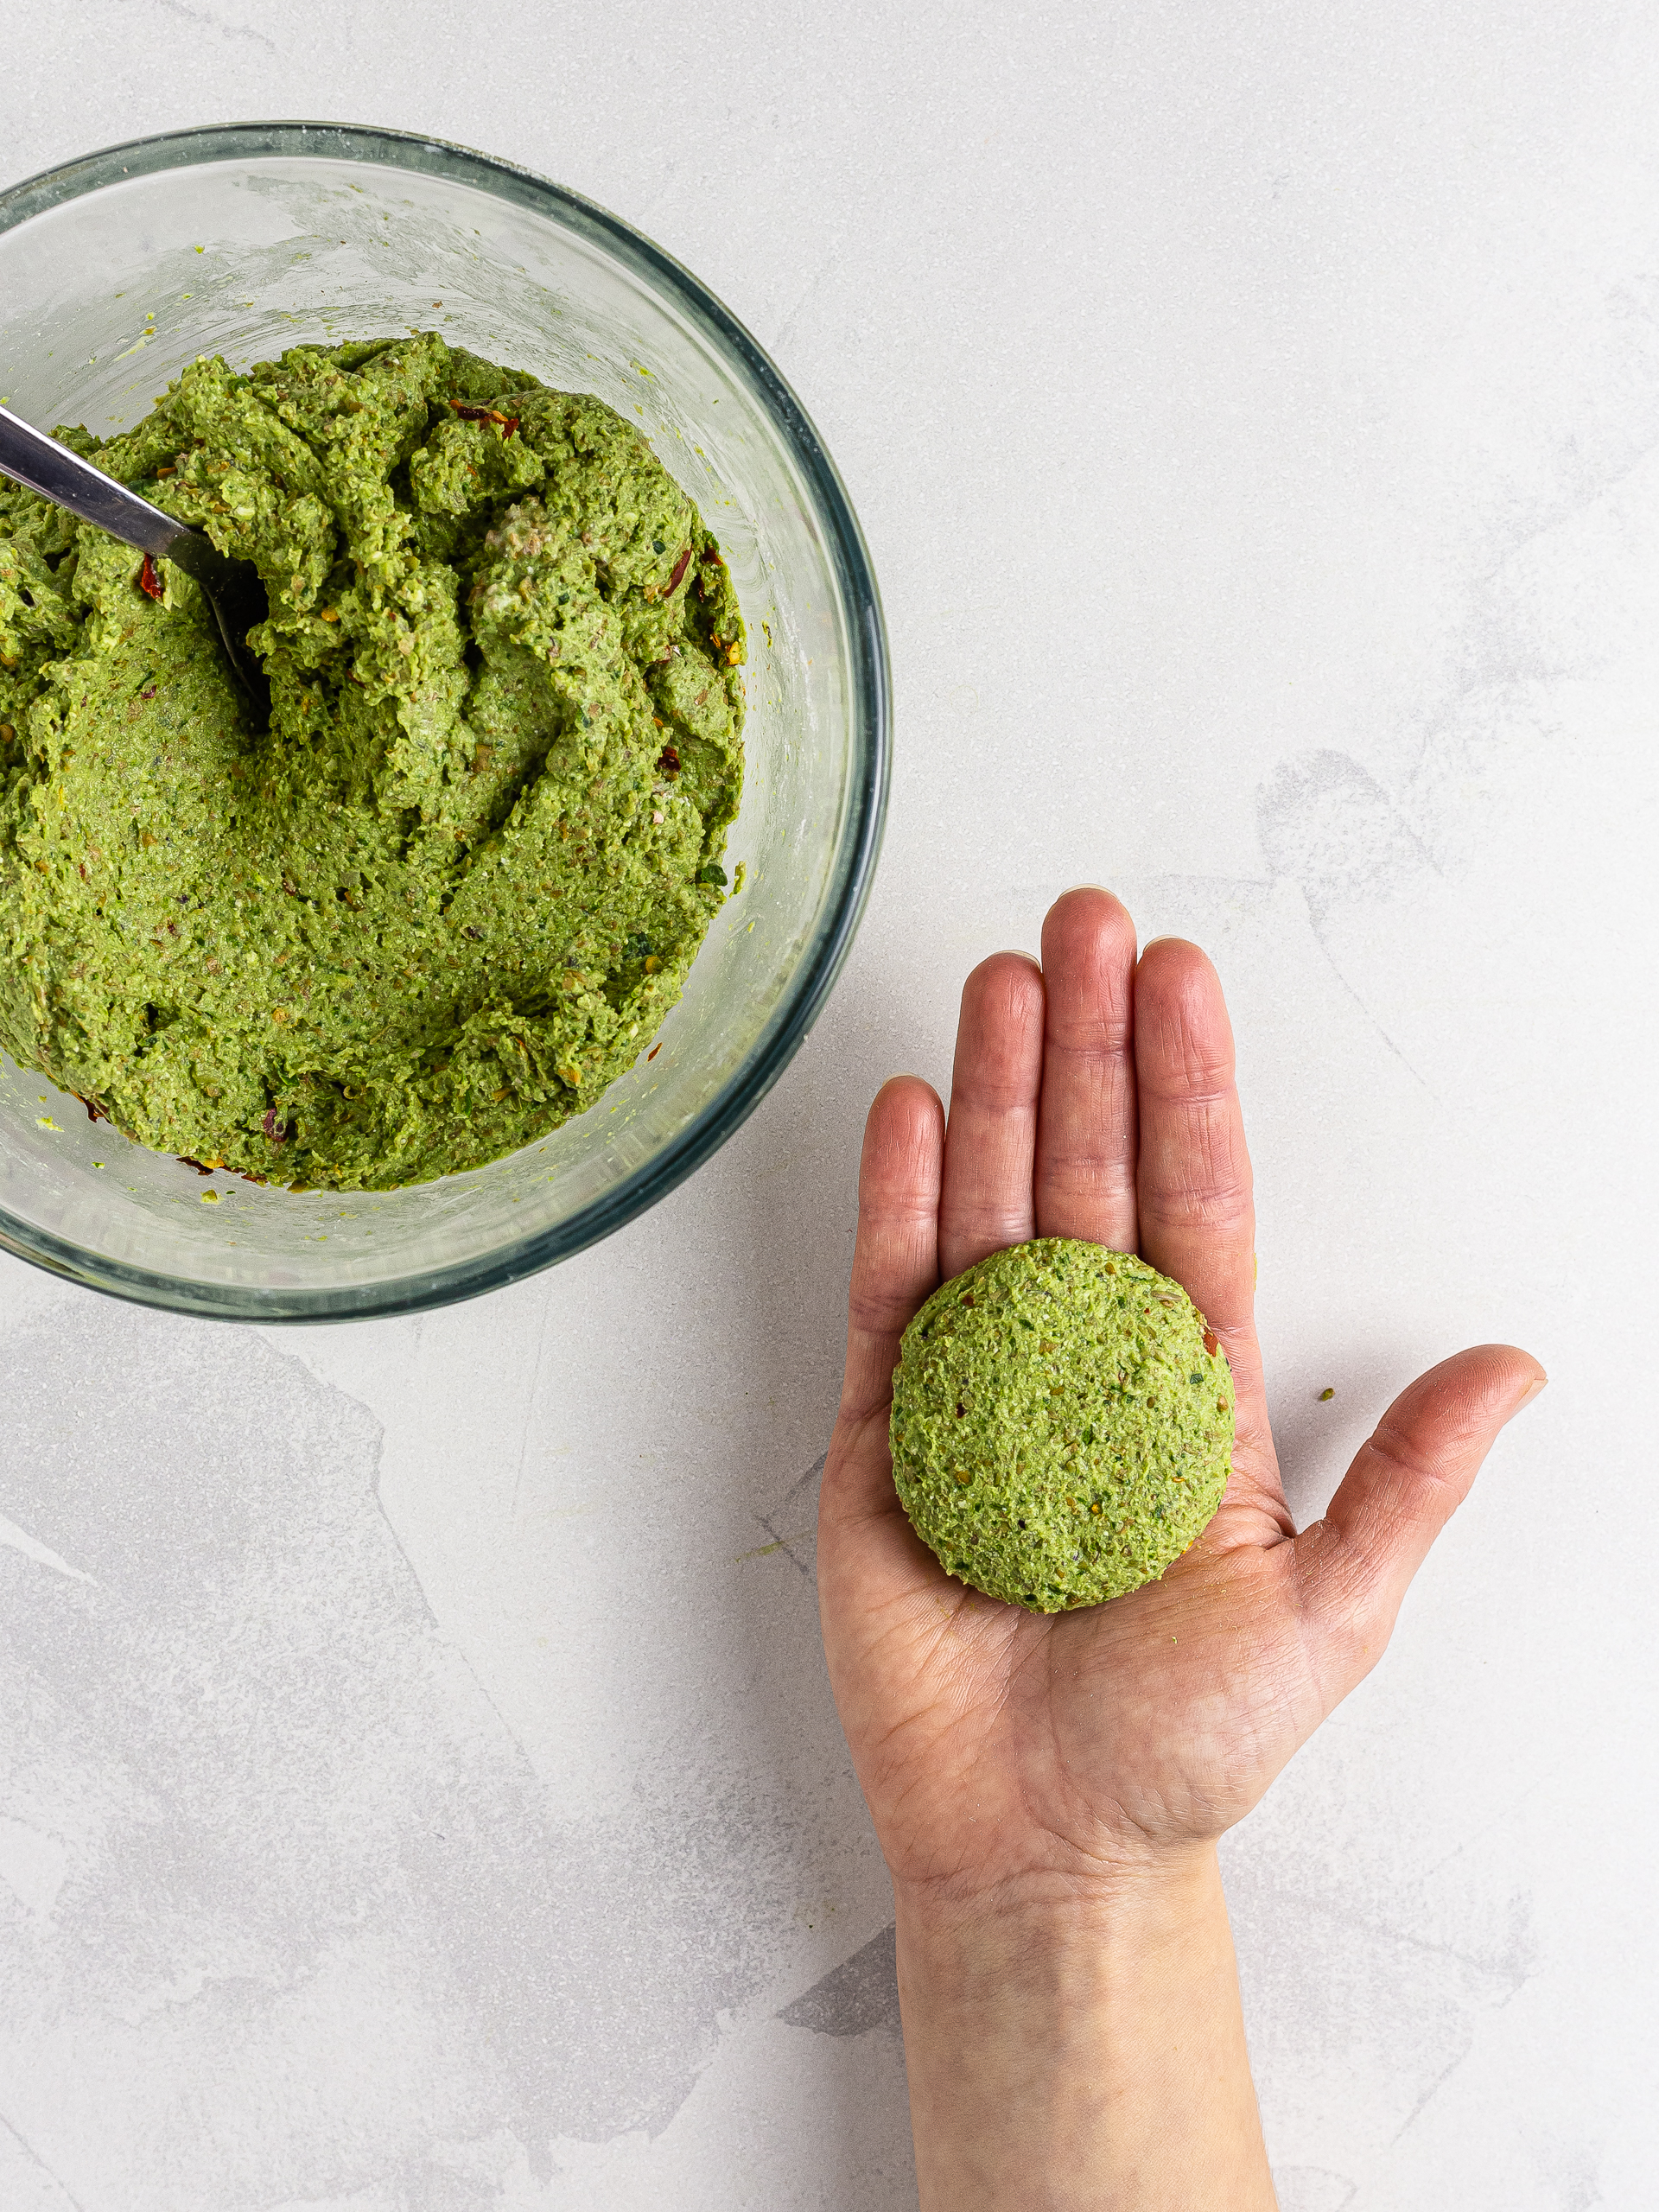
(1062, 1424)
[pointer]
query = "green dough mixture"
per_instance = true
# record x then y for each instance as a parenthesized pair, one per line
(449, 894)
(1062, 1424)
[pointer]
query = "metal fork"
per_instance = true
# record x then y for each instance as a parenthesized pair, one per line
(231, 589)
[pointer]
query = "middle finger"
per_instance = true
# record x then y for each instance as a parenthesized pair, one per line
(1086, 1135)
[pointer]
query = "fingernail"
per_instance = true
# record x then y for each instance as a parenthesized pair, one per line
(1537, 1383)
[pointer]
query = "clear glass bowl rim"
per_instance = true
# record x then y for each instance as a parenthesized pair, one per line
(855, 860)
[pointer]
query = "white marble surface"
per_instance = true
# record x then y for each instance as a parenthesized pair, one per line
(418, 1787)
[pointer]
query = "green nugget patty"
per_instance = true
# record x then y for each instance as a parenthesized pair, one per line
(1062, 1424)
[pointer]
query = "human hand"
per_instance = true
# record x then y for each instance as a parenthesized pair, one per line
(1020, 1765)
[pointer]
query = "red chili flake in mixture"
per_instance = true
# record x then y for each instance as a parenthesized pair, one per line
(509, 423)
(277, 1131)
(148, 580)
(185, 1160)
(95, 1111)
(680, 567)
(151, 694)
(1211, 1341)
(668, 761)
(652, 1054)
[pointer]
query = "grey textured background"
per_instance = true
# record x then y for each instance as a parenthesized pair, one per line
(418, 1787)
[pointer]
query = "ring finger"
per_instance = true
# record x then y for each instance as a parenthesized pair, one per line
(986, 1200)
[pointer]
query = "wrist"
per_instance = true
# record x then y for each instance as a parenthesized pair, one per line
(1079, 2044)
(1137, 1894)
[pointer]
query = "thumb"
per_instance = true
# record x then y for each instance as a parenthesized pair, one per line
(1403, 1487)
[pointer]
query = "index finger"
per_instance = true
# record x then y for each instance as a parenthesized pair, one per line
(1197, 1212)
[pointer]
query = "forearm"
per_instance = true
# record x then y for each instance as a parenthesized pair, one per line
(1068, 2057)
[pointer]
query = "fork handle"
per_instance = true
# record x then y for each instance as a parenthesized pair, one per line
(41, 463)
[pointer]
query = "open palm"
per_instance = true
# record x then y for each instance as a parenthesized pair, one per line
(1093, 1097)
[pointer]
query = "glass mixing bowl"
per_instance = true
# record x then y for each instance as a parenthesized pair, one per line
(117, 270)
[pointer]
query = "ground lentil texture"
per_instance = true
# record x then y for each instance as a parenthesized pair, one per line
(1062, 1424)
(449, 894)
